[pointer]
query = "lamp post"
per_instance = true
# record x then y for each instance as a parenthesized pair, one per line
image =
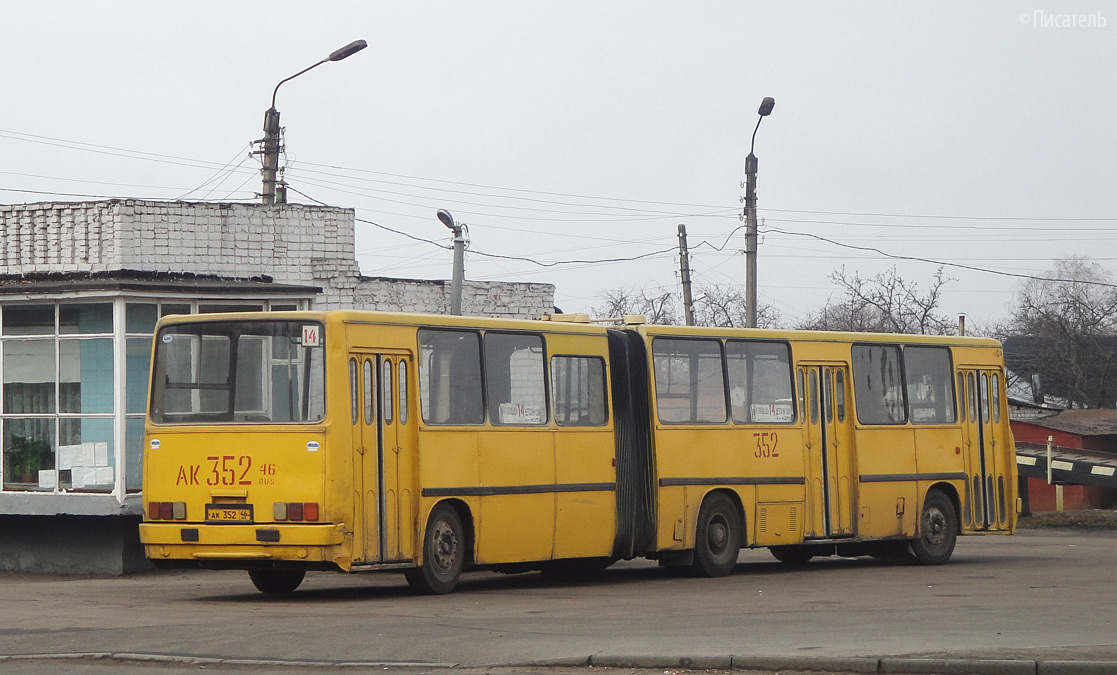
(271, 124)
(750, 217)
(459, 261)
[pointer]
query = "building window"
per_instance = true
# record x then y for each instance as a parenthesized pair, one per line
(59, 397)
(59, 403)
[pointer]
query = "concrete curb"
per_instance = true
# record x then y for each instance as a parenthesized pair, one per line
(867, 665)
(134, 657)
(659, 662)
(1076, 667)
(958, 666)
(824, 664)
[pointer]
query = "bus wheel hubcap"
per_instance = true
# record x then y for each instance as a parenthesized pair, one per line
(934, 527)
(445, 546)
(718, 535)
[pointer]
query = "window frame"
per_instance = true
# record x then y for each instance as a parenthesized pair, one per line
(949, 380)
(422, 367)
(487, 369)
(604, 389)
(791, 381)
(695, 395)
(158, 416)
(901, 384)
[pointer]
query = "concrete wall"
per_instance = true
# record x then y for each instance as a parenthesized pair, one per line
(71, 544)
(291, 243)
(479, 298)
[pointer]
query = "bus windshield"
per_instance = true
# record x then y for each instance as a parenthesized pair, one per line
(256, 371)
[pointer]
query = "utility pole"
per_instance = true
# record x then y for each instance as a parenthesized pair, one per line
(459, 260)
(750, 217)
(684, 271)
(271, 128)
(271, 154)
(750, 240)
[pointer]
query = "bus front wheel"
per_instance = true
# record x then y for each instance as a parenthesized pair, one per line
(938, 530)
(443, 554)
(276, 582)
(717, 538)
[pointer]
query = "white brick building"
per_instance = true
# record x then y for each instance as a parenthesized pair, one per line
(81, 286)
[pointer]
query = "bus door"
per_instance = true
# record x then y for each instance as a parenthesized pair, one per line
(980, 400)
(382, 455)
(824, 397)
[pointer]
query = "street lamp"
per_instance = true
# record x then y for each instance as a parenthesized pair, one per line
(459, 261)
(750, 217)
(271, 123)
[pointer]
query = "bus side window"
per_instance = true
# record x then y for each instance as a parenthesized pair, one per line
(827, 397)
(996, 397)
(353, 389)
(984, 397)
(689, 381)
(961, 393)
(927, 374)
(370, 402)
(386, 386)
(515, 381)
(403, 392)
(971, 395)
(450, 389)
(759, 382)
(877, 385)
(814, 395)
(802, 388)
(578, 390)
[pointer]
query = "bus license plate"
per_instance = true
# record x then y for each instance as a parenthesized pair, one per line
(228, 513)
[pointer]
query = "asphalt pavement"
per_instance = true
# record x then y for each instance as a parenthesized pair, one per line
(1039, 603)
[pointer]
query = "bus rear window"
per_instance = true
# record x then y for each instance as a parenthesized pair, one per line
(238, 371)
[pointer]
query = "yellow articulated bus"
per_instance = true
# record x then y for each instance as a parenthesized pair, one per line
(348, 440)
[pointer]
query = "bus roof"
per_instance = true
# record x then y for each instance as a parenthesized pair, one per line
(578, 324)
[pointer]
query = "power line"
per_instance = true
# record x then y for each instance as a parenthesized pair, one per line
(938, 262)
(108, 150)
(220, 171)
(945, 217)
(578, 216)
(197, 163)
(500, 196)
(947, 227)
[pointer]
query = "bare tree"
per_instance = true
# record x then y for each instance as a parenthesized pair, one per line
(659, 306)
(726, 307)
(1063, 329)
(884, 303)
(714, 305)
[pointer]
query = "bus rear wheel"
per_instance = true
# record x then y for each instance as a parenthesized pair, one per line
(276, 582)
(717, 538)
(443, 554)
(938, 530)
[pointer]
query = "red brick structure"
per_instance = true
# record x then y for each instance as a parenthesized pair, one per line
(1091, 430)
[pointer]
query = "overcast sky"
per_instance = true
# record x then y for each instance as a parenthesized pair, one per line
(980, 134)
